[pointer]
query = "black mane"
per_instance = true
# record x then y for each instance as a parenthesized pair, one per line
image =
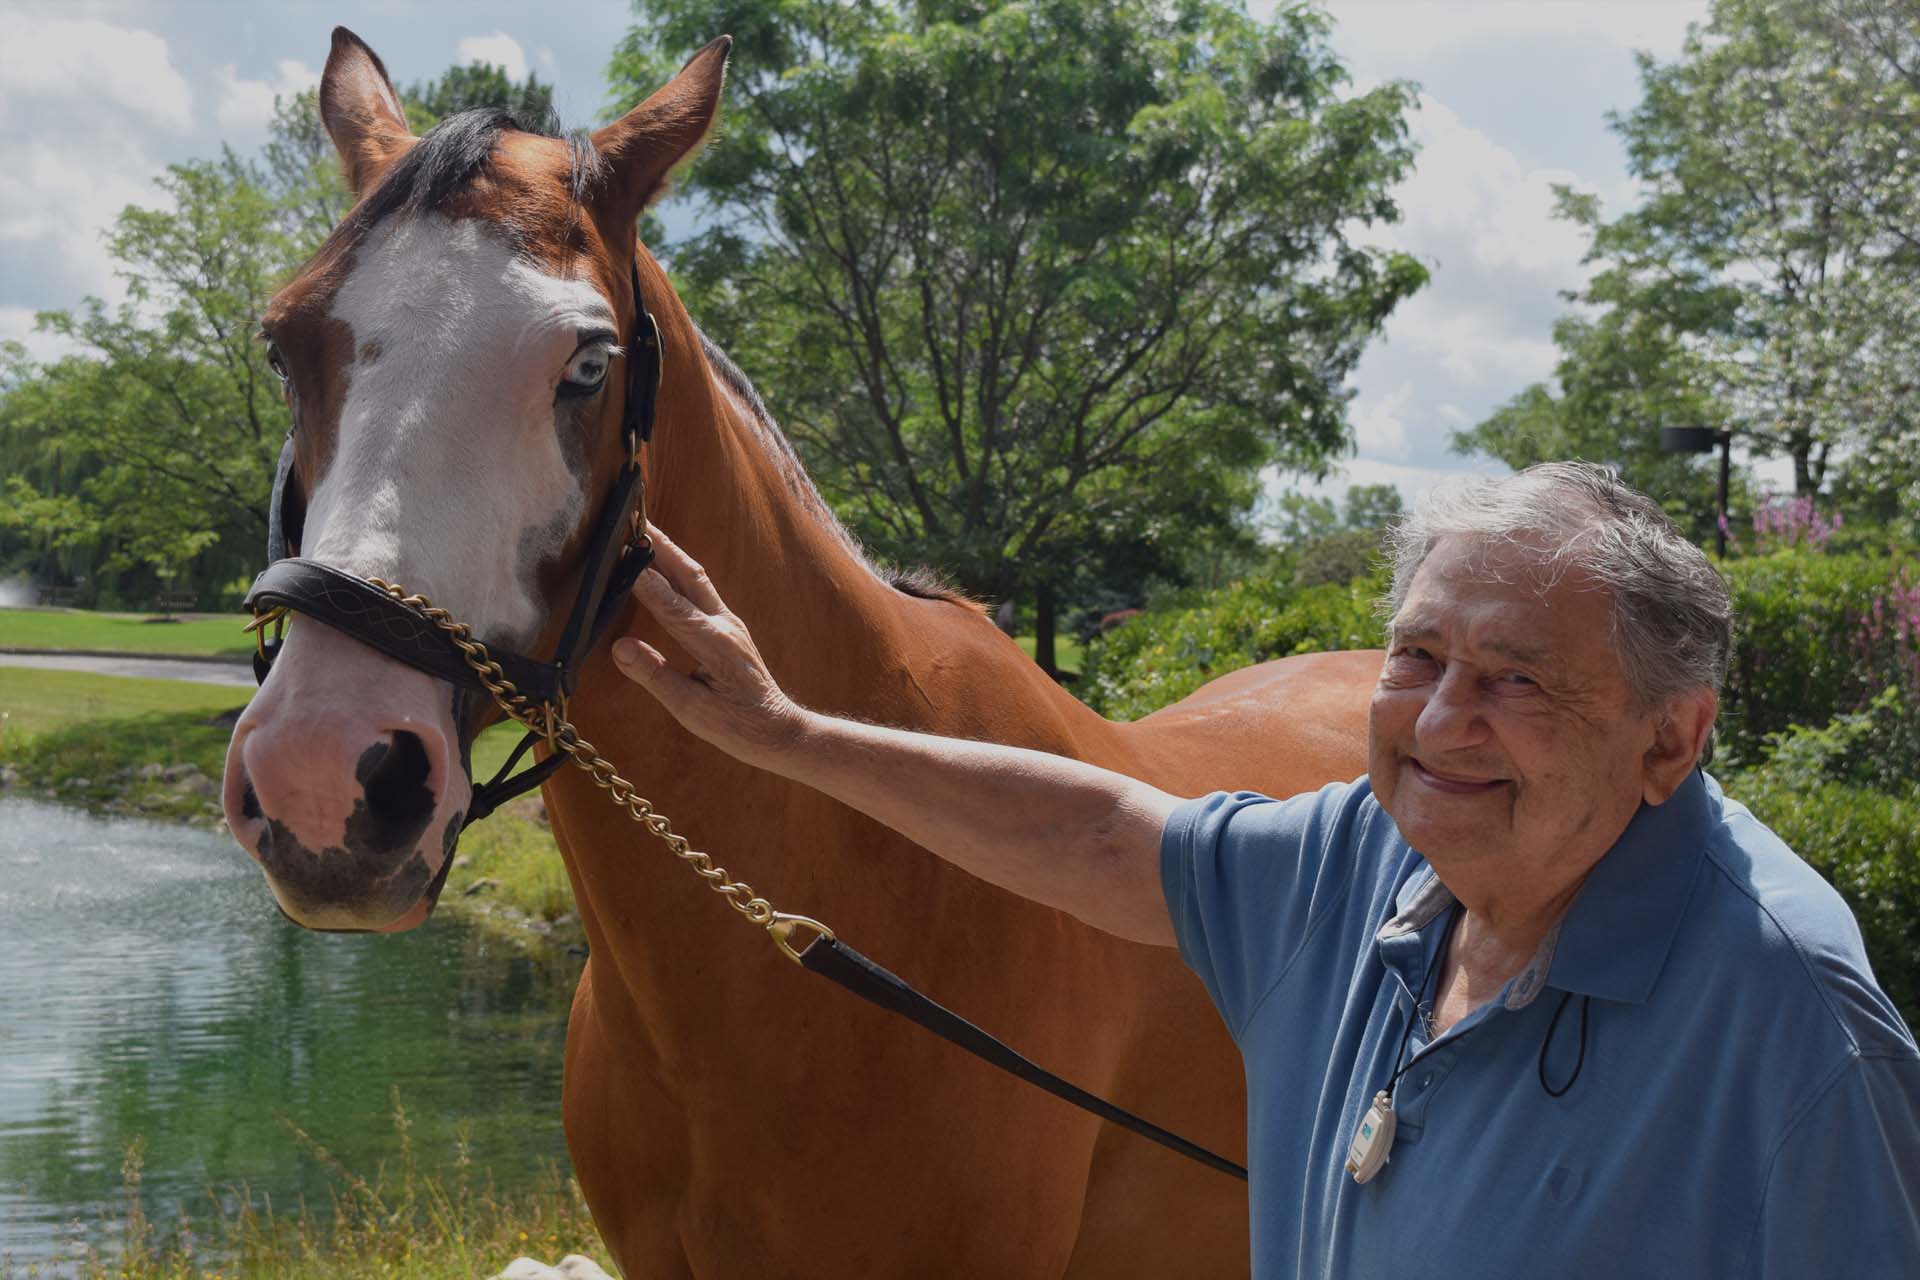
(922, 583)
(447, 160)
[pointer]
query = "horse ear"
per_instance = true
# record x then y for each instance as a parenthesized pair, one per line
(361, 110)
(643, 146)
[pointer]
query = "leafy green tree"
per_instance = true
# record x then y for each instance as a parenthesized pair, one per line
(1371, 506)
(1021, 276)
(1620, 379)
(149, 453)
(478, 84)
(167, 417)
(1767, 283)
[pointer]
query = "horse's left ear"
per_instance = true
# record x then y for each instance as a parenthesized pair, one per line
(642, 147)
(361, 110)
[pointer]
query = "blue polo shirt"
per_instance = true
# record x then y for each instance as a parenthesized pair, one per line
(1741, 1100)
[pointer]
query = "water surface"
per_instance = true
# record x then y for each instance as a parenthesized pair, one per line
(150, 991)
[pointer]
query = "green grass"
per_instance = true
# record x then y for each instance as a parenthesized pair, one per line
(83, 631)
(1066, 651)
(393, 1222)
(38, 701)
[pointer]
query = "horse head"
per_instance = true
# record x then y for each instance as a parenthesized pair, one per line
(450, 355)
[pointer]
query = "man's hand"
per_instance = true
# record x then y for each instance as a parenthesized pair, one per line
(730, 700)
(1062, 832)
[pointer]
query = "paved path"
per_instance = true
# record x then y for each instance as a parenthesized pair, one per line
(205, 672)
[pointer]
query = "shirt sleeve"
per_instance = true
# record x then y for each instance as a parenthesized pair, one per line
(1245, 876)
(1843, 1196)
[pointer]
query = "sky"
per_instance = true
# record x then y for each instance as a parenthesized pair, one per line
(97, 96)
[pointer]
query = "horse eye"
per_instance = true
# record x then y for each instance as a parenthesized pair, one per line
(276, 361)
(586, 371)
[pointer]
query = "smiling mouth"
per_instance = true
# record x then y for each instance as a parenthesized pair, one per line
(1455, 784)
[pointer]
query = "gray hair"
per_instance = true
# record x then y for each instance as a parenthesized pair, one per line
(1672, 614)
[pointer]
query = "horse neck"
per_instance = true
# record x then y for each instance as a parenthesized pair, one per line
(835, 634)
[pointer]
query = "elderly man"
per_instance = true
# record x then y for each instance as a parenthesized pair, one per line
(1531, 998)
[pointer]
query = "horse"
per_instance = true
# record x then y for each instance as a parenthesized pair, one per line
(446, 353)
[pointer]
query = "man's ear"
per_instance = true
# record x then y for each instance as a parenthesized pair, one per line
(361, 110)
(642, 147)
(1679, 738)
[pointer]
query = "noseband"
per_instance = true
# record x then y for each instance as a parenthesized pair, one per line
(377, 614)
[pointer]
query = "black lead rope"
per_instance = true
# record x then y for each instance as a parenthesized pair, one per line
(835, 960)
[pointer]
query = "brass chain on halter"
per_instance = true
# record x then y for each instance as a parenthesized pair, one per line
(550, 720)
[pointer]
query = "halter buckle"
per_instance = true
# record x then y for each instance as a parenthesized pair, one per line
(276, 618)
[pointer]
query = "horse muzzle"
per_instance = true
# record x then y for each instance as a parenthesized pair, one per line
(351, 804)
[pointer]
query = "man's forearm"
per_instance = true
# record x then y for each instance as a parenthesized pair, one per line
(1062, 832)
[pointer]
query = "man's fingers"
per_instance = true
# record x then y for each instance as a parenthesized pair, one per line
(683, 571)
(700, 633)
(637, 657)
(647, 667)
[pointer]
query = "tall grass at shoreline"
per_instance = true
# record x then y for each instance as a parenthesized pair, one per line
(396, 1222)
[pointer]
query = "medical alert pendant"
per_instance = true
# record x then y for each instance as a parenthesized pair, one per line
(1372, 1140)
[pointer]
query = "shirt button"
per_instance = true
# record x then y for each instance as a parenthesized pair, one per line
(1426, 1079)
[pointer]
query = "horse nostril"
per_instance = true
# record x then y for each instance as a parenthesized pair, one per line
(394, 776)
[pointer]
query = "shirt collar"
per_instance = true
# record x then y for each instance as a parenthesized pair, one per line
(1615, 937)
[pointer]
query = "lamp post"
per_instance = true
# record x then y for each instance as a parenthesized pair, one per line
(1704, 440)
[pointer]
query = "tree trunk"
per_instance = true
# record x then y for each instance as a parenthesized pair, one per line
(1043, 627)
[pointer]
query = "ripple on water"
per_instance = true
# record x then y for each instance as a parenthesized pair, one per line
(148, 988)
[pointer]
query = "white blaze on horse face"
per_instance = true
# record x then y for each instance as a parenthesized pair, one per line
(454, 472)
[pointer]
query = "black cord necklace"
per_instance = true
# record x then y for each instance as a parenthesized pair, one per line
(1586, 1003)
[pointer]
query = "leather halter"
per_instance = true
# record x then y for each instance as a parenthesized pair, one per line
(617, 553)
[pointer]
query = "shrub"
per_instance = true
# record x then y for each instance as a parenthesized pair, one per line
(1797, 644)
(1167, 653)
(1864, 840)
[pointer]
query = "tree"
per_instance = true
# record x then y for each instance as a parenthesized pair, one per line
(1766, 284)
(1371, 506)
(1022, 278)
(1767, 281)
(169, 418)
(1621, 378)
(153, 446)
(478, 84)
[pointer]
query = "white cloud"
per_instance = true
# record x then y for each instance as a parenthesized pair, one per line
(1477, 335)
(548, 63)
(86, 58)
(1411, 481)
(1379, 427)
(248, 104)
(499, 49)
(1471, 199)
(60, 202)
(1399, 32)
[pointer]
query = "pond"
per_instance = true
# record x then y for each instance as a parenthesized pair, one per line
(150, 993)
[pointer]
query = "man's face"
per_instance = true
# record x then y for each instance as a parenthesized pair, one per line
(1501, 727)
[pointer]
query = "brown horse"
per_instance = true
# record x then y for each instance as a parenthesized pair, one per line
(447, 356)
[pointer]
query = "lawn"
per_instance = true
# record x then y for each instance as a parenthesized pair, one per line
(83, 631)
(1066, 651)
(37, 701)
